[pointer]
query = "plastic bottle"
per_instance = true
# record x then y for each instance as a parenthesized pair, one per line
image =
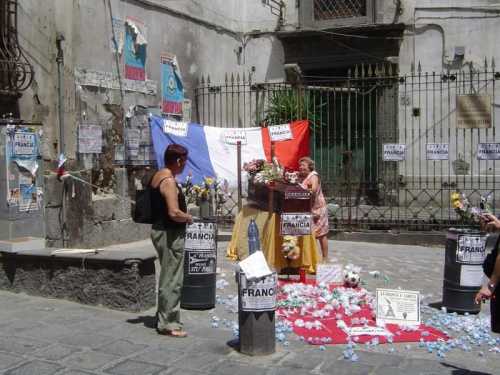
(253, 237)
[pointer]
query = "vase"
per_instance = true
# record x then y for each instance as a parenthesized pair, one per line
(463, 273)
(206, 206)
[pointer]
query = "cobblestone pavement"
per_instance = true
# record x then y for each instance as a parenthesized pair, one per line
(46, 336)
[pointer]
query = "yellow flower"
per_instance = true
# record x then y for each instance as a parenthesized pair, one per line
(209, 181)
(456, 204)
(196, 188)
(204, 192)
(455, 196)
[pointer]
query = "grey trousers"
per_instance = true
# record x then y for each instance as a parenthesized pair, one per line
(169, 244)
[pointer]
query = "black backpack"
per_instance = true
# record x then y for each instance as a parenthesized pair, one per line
(144, 212)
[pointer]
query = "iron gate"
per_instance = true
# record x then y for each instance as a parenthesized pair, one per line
(353, 119)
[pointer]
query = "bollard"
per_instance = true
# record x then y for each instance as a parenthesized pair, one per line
(200, 263)
(256, 306)
(463, 272)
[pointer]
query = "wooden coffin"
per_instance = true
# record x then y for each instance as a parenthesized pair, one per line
(287, 197)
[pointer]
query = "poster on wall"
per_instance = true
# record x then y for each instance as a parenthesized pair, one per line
(89, 139)
(172, 89)
(28, 199)
(117, 35)
(135, 49)
(473, 111)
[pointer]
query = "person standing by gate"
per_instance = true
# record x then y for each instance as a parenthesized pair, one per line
(319, 212)
(491, 291)
(168, 237)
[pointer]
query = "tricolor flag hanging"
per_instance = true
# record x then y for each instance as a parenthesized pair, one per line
(213, 151)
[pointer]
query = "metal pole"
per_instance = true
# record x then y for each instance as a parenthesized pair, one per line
(238, 162)
(60, 70)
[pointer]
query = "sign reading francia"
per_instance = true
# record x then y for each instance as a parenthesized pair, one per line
(260, 294)
(488, 151)
(175, 128)
(438, 151)
(295, 224)
(471, 249)
(393, 152)
(280, 132)
(201, 236)
(233, 137)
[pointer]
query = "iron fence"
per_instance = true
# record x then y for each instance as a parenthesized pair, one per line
(355, 120)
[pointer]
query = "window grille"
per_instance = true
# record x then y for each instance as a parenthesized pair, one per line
(333, 9)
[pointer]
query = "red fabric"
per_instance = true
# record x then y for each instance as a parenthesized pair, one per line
(338, 336)
(290, 151)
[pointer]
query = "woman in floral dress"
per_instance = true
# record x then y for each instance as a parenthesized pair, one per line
(319, 211)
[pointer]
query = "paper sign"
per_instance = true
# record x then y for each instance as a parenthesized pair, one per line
(367, 331)
(488, 151)
(295, 224)
(259, 294)
(280, 132)
(24, 143)
(329, 273)
(398, 306)
(201, 236)
(471, 249)
(177, 128)
(233, 137)
(201, 262)
(438, 151)
(255, 266)
(393, 152)
(471, 276)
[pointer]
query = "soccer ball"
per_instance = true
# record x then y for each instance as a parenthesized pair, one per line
(351, 279)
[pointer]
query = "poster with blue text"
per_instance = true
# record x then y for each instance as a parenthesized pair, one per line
(171, 88)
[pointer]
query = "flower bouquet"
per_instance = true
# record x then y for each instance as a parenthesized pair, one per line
(290, 247)
(260, 171)
(468, 214)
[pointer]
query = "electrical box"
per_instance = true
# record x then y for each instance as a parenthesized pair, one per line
(21, 180)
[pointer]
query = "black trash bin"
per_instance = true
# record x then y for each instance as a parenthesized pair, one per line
(463, 272)
(257, 301)
(200, 264)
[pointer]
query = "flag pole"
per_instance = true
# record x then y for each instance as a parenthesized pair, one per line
(238, 162)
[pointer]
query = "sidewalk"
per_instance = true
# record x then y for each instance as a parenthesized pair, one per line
(46, 336)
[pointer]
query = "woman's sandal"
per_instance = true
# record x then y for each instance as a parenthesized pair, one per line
(172, 333)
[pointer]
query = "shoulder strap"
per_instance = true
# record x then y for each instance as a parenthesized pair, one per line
(163, 179)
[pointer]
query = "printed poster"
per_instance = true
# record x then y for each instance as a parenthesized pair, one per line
(398, 306)
(135, 49)
(117, 35)
(172, 89)
(28, 199)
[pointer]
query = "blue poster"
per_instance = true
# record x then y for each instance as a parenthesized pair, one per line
(135, 56)
(172, 89)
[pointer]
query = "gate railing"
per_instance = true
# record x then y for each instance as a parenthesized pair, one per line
(352, 117)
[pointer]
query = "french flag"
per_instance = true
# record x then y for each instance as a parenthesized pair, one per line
(212, 155)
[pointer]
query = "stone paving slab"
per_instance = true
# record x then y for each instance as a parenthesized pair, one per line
(49, 336)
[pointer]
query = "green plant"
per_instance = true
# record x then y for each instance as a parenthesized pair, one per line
(283, 109)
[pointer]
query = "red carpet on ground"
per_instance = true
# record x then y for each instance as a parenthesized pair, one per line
(330, 333)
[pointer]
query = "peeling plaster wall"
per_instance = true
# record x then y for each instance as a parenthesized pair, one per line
(204, 36)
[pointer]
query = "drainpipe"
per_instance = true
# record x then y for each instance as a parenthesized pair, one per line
(60, 71)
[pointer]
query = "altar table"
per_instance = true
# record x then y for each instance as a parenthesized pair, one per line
(270, 240)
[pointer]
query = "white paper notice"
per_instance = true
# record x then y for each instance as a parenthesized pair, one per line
(255, 266)
(471, 276)
(367, 331)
